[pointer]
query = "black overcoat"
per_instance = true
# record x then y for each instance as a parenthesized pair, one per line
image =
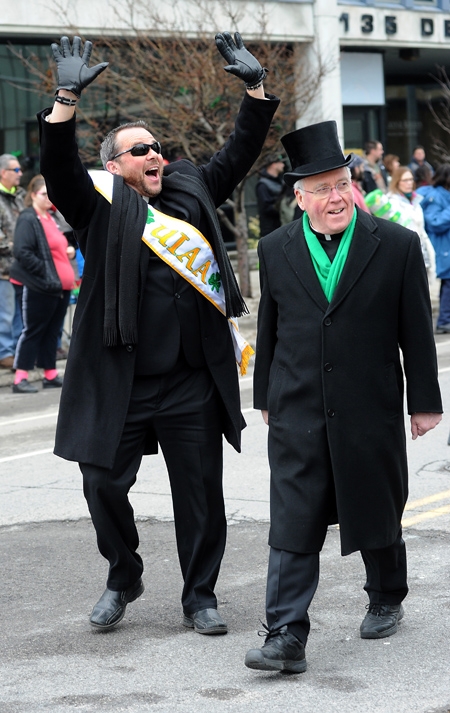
(98, 379)
(331, 377)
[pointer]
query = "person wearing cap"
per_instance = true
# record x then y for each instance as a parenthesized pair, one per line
(342, 293)
(268, 192)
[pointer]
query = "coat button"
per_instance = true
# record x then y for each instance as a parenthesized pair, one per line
(129, 347)
(177, 296)
(331, 412)
(328, 367)
(327, 321)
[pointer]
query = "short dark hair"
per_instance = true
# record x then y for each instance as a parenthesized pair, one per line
(108, 149)
(370, 145)
(442, 176)
(423, 174)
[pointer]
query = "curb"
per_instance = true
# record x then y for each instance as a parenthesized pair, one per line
(7, 375)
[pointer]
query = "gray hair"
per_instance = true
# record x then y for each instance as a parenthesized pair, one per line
(300, 184)
(5, 160)
(108, 148)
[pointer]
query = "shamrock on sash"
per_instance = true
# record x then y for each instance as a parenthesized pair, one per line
(215, 281)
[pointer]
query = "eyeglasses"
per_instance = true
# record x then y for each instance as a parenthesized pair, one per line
(16, 170)
(405, 180)
(325, 191)
(140, 150)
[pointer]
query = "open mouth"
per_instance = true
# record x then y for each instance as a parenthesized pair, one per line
(152, 172)
(335, 212)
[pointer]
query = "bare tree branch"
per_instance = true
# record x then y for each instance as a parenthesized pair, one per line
(441, 114)
(165, 68)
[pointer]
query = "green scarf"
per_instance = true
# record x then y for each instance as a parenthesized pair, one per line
(328, 272)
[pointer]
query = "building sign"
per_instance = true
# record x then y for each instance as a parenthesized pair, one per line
(405, 26)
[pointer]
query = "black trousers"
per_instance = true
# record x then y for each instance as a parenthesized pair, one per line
(182, 409)
(293, 578)
(43, 317)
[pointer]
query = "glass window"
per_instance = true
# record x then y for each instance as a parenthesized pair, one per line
(18, 103)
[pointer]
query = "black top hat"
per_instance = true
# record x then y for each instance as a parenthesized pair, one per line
(313, 149)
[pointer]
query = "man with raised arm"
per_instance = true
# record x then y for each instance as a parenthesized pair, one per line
(153, 352)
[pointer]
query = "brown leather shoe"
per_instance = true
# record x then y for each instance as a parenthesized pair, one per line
(7, 362)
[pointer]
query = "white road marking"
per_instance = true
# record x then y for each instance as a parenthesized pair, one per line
(24, 419)
(26, 455)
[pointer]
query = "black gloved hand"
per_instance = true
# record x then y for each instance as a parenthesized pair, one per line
(73, 71)
(241, 62)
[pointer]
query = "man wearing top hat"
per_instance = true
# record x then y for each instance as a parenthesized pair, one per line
(342, 294)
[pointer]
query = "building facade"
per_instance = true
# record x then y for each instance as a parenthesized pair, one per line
(382, 58)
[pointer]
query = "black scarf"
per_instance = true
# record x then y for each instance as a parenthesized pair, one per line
(126, 226)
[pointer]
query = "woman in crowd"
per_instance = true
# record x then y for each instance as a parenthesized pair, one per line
(391, 162)
(436, 210)
(423, 176)
(42, 265)
(406, 202)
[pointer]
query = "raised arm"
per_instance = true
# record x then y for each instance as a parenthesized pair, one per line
(74, 75)
(236, 157)
(60, 162)
(242, 63)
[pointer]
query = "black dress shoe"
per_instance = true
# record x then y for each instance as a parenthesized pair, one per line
(381, 620)
(281, 652)
(205, 621)
(110, 608)
(24, 387)
(55, 383)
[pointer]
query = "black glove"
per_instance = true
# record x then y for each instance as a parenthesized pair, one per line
(241, 62)
(73, 71)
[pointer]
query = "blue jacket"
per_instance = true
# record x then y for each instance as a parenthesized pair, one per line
(436, 211)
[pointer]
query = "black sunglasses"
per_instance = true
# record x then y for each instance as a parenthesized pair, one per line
(141, 150)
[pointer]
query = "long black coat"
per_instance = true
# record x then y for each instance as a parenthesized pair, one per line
(98, 379)
(331, 377)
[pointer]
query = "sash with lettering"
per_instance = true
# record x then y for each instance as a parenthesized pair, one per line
(187, 251)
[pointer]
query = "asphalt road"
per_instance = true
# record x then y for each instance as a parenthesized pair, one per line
(52, 575)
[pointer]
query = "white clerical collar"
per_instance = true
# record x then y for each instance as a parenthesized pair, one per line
(327, 237)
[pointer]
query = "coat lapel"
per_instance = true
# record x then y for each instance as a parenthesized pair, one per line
(362, 249)
(298, 257)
